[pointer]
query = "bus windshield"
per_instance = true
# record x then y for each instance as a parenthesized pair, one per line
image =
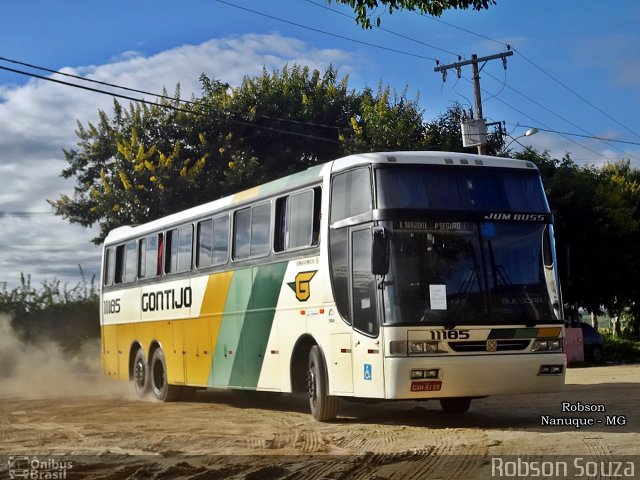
(467, 189)
(466, 273)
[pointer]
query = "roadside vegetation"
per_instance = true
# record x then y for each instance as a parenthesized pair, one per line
(63, 313)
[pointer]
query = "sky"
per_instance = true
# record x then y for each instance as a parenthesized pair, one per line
(575, 70)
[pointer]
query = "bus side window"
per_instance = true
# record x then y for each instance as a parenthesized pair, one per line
(252, 231)
(213, 242)
(119, 265)
(350, 194)
(242, 234)
(220, 252)
(204, 249)
(109, 266)
(130, 263)
(297, 220)
(142, 258)
(178, 249)
(260, 230)
(149, 256)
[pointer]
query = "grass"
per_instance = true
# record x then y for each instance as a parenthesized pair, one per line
(618, 349)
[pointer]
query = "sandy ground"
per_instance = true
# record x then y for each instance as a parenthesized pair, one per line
(105, 433)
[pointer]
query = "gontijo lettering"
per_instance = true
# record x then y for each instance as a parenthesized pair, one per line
(167, 299)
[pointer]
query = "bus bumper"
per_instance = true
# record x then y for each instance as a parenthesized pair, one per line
(474, 376)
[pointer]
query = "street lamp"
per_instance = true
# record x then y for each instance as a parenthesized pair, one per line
(528, 133)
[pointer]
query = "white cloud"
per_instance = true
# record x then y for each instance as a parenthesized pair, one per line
(38, 120)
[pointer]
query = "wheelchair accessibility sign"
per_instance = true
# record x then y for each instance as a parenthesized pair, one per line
(367, 371)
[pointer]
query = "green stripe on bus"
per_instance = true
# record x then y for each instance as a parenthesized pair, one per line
(309, 175)
(257, 324)
(246, 325)
(226, 348)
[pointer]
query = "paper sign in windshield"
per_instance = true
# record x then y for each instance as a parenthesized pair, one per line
(438, 297)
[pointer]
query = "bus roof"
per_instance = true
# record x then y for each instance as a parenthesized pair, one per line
(314, 175)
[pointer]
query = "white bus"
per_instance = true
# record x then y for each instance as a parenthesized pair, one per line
(399, 275)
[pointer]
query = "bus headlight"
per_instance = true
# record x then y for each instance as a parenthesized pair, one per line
(402, 348)
(547, 345)
(417, 347)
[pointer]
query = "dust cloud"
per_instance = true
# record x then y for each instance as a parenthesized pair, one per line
(42, 370)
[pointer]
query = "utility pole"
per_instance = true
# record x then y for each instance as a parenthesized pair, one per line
(476, 80)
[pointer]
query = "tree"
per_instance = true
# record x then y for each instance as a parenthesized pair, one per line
(145, 162)
(364, 8)
(596, 230)
(386, 121)
(141, 163)
(624, 182)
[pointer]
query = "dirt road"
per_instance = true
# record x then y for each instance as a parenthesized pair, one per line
(107, 434)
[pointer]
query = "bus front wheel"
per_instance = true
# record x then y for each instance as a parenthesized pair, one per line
(162, 390)
(455, 405)
(140, 374)
(324, 407)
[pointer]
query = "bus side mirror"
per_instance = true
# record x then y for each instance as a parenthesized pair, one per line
(380, 251)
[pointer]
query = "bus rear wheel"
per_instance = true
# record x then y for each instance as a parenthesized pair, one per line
(140, 375)
(455, 405)
(162, 390)
(324, 407)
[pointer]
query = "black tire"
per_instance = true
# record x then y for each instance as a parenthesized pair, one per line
(140, 375)
(324, 407)
(455, 405)
(162, 390)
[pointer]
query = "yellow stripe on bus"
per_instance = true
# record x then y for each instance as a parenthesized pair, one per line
(246, 195)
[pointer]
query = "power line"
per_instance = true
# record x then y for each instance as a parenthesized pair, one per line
(91, 80)
(167, 106)
(578, 95)
(532, 63)
(588, 134)
(504, 82)
(400, 35)
(183, 110)
(324, 32)
(165, 97)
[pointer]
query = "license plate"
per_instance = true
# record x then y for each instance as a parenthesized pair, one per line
(432, 386)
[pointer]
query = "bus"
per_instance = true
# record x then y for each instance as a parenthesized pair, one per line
(377, 276)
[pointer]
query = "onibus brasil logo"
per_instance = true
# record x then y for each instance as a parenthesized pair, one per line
(37, 468)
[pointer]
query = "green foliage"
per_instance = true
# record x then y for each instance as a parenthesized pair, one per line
(364, 8)
(50, 296)
(386, 121)
(145, 162)
(618, 349)
(138, 164)
(597, 226)
(67, 315)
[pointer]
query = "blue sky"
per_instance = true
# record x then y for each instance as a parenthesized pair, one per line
(576, 69)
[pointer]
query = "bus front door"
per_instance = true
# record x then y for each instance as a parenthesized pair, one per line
(367, 355)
